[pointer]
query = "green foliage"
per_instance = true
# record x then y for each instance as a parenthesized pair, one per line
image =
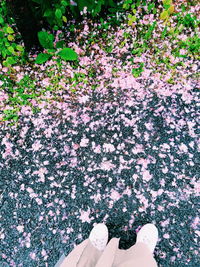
(57, 11)
(131, 4)
(42, 58)
(10, 114)
(47, 41)
(164, 32)
(192, 44)
(189, 21)
(168, 10)
(137, 71)
(10, 52)
(68, 54)
(53, 11)
(150, 31)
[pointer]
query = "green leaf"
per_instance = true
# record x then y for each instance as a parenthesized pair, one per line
(55, 27)
(9, 30)
(164, 15)
(68, 54)
(134, 18)
(58, 13)
(164, 32)
(3, 52)
(19, 48)
(11, 49)
(46, 39)
(64, 3)
(10, 37)
(167, 2)
(51, 50)
(134, 11)
(126, 6)
(10, 60)
(41, 58)
(60, 44)
(48, 13)
(166, 6)
(25, 96)
(170, 10)
(150, 6)
(1, 20)
(64, 19)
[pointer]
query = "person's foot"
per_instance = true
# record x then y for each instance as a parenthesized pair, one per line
(99, 236)
(148, 234)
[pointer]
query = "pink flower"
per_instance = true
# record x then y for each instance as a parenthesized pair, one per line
(83, 99)
(26, 110)
(137, 59)
(182, 37)
(66, 149)
(196, 222)
(194, 67)
(79, 51)
(84, 142)
(85, 61)
(157, 76)
(97, 149)
(109, 147)
(3, 96)
(17, 68)
(183, 148)
(107, 165)
(45, 82)
(48, 132)
(182, 51)
(36, 146)
(160, 191)
(173, 59)
(154, 193)
(32, 255)
(138, 149)
(85, 216)
(39, 201)
(5, 69)
(123, 50)
(95, 46)
(197, 187)
(127, 191)
(167, 77)
(20, 228)
(146, 73)
(85, 118)
(143, 162)
(166, 236)
(160, 208)
(147, 176)
(115, 83)
(76, 146)
(20, 76)
(115, 195)
(43, 252)
(73, 3)
(165, 223)
(120, 33)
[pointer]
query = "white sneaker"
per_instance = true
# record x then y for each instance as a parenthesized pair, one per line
(99, 236)
(148, 234)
